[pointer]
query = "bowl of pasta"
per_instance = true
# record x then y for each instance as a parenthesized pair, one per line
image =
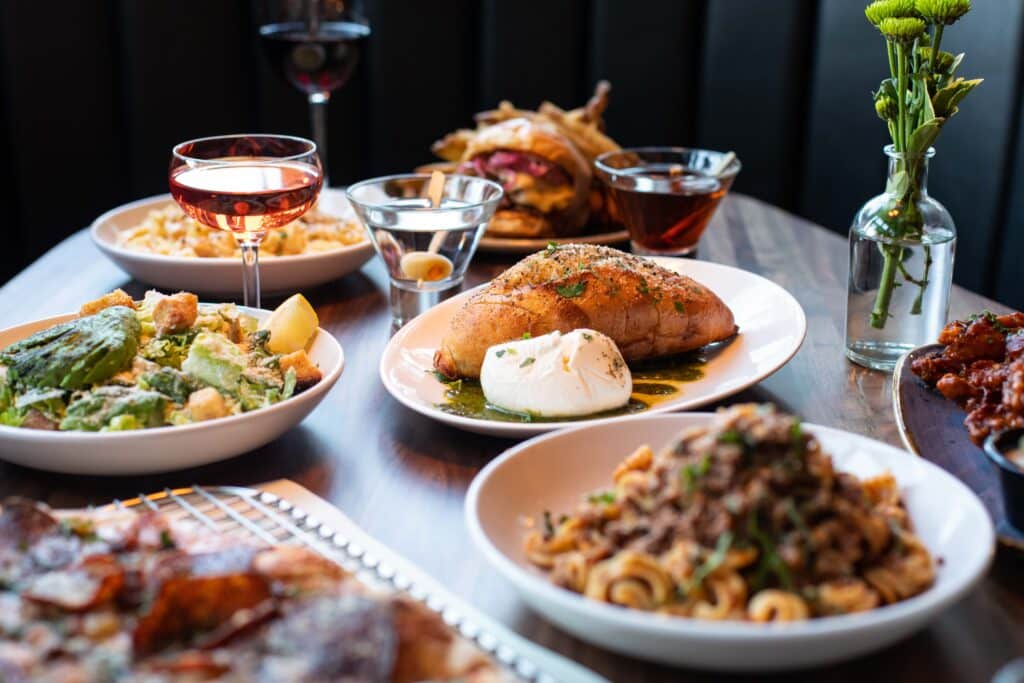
(743, 540)
(154, 242)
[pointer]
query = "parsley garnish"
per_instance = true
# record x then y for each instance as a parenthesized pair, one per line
(442, 378)
(991, 318)
(573, 290)
(771, 562)
(713, 562)
(499, 353)
(588, 337)
(679, 306)
(527, 335)
(605, 497)
(552, 248)
(529, 360)
(796, 435)
(166, 542)
(644, 289)
(549, 528)
(691, 472)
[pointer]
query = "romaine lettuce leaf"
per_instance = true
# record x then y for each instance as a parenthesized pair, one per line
(213, 359)
(92, 411)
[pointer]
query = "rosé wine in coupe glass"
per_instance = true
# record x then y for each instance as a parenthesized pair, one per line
(247, 185)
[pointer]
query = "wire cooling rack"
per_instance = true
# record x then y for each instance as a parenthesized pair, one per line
(269, 518)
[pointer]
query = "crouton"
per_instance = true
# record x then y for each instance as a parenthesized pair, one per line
(176, 313)
(118, 297)
(206, 404)
(306, 373)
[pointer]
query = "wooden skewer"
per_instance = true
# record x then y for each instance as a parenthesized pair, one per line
(723, 163)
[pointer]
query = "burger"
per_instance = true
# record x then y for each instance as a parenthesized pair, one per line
(547, 181)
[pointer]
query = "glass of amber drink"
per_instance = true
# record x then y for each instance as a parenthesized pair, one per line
(666, 195)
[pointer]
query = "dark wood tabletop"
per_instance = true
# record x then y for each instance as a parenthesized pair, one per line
(403, 477)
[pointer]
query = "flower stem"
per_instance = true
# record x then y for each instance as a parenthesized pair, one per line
(936, 40)
(922, 284)
(892, 254)
(880, 313)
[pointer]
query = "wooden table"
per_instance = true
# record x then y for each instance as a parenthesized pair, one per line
(403, 477)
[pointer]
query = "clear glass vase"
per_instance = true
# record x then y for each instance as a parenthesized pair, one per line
(902, 244)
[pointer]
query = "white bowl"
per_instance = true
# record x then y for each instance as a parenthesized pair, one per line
(161, 449)
(553, 471)
(223, 276)
(772, 328)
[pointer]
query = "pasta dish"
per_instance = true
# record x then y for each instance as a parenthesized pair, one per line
(169, 232)
(742, 519)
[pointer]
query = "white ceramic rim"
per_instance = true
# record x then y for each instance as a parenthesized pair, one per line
(43, 436)
(935, 597)
(533, 428)
(106, 245)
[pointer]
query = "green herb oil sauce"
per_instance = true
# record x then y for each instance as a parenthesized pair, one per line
(654, 382)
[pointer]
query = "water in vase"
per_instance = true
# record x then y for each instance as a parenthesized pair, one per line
(917, 305)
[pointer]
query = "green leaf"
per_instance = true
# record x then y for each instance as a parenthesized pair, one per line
(928, 111)
(898, 184)
(923, 137)
(680, 308)
(948, 97)
(528, 361)
(955, 64)
(573, 290)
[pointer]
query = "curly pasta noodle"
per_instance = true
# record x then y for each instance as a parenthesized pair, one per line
(775, 605)
(169, 232)
(743, 519)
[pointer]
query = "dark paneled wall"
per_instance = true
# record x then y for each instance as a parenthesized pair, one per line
(92, 104)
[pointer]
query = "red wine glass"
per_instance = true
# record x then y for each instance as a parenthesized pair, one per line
(247, 185)
(315, 45)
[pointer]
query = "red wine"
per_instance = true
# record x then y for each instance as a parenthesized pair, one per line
(314, 62)
(246, 198)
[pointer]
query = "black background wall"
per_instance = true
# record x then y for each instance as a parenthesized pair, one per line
(93, 94)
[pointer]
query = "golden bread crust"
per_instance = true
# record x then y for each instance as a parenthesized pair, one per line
(647, 310)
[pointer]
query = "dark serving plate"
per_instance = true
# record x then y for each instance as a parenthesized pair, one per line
(932, 426)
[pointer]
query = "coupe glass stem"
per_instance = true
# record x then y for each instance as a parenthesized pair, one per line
(318, 114)
(250, 273)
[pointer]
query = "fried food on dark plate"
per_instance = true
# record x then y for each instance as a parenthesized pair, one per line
(981, 367)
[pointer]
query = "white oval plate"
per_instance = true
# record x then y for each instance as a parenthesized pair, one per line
(162, 449)
(223, 276)
(772, 327)
(528, 245)
(553, 471)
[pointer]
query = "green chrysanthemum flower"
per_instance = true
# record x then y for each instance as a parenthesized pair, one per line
(943, 60)
(903, 29)
(886, 108)
(943, 12)
(889, 9)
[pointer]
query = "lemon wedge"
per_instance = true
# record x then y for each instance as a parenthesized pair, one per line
(292, 325)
